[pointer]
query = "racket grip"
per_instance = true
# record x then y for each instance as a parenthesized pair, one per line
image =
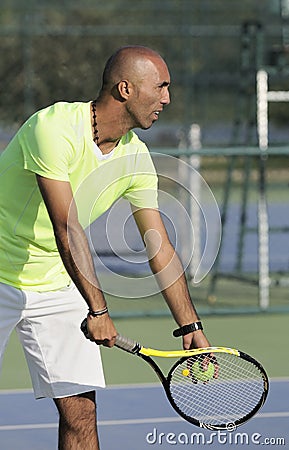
(84, 329)
(127, 344)
(120, 341)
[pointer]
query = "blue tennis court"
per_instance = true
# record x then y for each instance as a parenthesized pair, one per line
(138, 418)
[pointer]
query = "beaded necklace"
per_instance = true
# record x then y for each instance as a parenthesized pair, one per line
(94, 123)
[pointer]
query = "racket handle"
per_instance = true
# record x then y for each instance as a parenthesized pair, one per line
(120, 341)
(84, 329)
(127, 344)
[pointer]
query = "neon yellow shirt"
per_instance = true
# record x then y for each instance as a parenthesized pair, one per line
(56, 143)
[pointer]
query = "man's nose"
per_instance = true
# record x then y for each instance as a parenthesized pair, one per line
(166, 98)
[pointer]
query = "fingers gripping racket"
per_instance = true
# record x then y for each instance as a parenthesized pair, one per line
(225, 399)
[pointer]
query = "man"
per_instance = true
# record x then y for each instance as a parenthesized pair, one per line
(46, 269)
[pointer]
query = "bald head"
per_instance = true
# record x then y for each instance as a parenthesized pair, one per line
(135, 88)
(130, 63)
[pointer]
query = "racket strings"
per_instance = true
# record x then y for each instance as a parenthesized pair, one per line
(214, 401)
(230, 396)
(217, 404)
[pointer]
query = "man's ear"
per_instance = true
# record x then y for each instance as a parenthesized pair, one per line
(124, 88)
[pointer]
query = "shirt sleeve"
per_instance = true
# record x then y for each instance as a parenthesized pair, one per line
(47, 149)
(143, 190)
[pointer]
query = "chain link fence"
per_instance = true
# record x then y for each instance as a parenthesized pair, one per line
(55, 50)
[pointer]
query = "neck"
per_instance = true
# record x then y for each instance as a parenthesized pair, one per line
(108, 125)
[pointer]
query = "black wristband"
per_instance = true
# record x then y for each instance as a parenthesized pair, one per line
(186, 329)
(97, 313)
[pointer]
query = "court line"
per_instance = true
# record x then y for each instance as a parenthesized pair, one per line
(124, 386)
(150, 420)
(263, 415)
(36, 426)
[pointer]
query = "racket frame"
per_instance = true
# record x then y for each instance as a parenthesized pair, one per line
(135, 348)
(228, 426)
(145, 353)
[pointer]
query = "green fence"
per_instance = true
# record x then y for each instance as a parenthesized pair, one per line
(55, 50)
(233, 283)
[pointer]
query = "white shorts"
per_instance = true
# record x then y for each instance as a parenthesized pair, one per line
(60, 360)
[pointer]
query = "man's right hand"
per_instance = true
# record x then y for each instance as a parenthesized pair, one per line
(101, 330)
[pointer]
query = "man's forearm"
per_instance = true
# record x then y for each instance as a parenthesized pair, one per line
(75, 253)
(76, 256)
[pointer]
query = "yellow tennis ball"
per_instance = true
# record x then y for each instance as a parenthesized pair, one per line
(202, 375)
(186, 372)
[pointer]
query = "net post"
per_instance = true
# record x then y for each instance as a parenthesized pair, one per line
(263, 226)
(195, 188)
(183, 177)
(190, 179)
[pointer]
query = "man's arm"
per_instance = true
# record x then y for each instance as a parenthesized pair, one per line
(75, 253)
(169, 272)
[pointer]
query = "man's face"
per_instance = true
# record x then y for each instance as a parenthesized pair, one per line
(150, 95)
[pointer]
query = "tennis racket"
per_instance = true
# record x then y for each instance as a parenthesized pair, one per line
(228, 398)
